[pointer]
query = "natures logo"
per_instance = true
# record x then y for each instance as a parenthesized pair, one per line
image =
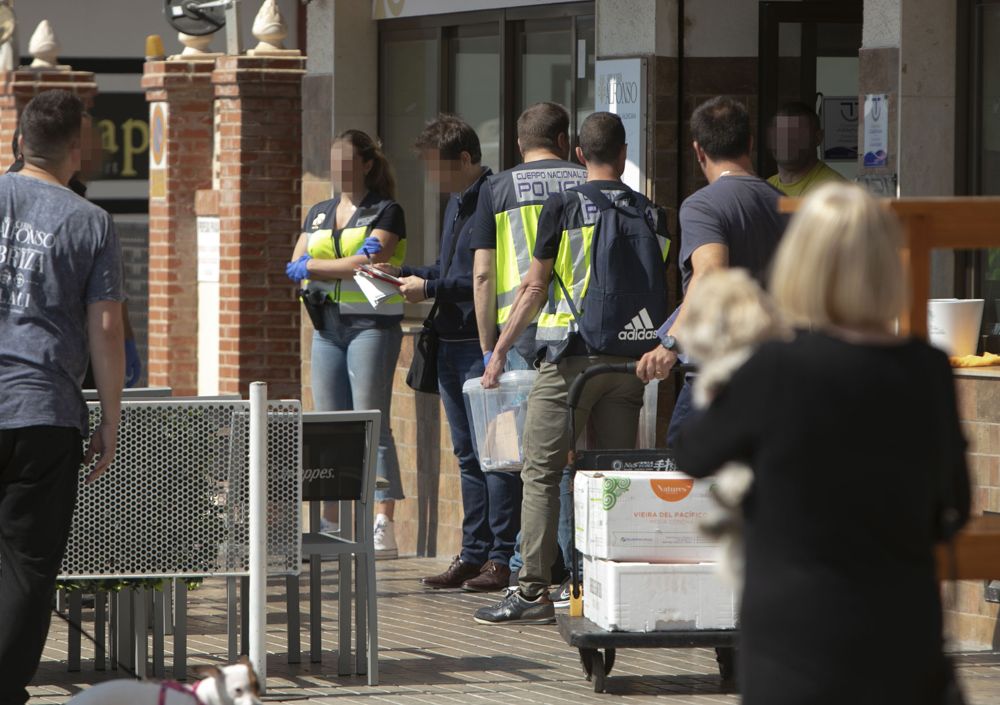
(639, 328)
(672, 490)
(613, 488)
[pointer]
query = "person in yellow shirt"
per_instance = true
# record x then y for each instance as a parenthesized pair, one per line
(794, 137)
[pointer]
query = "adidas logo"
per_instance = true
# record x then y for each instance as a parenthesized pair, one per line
(639, 328)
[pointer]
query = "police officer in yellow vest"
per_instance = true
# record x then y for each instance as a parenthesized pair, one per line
(598, 276)
(355, 346)
(503, 236)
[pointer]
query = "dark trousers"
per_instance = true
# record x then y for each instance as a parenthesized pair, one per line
(491, 501)
(39, 473)
(683, 410)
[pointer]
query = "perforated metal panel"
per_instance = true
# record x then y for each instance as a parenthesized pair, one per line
(175, 501)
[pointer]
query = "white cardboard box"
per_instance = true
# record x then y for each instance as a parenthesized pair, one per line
(650, 597)
(642, 516)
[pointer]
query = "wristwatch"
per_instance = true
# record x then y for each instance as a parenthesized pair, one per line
(670, 343)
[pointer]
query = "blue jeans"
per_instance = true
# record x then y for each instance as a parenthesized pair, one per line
(566, 525)
(683, 410)
(353, 368)
(491, 501)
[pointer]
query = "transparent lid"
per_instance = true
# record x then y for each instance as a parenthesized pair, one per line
(518, 377)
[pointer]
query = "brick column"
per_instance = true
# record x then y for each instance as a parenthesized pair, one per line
(17, 88)
(259, 114)
(181, 137)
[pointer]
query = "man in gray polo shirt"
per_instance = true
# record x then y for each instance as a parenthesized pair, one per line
(60, 303)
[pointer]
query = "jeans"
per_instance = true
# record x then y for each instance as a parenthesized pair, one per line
(566, 527)
(683, 410)
(39, 475)
(353, 368)
(491, 501)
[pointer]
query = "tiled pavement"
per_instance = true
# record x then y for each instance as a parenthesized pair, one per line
(432, 652)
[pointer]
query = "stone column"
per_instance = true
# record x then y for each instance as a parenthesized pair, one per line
(259, 117)
(20, 84)
(17, 88)
(180, 94)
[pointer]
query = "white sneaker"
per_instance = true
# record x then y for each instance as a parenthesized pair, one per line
(385, 538)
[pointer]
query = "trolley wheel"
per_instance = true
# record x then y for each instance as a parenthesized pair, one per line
(600, 674)
(586, 661)
(609, 661)
(726, 656)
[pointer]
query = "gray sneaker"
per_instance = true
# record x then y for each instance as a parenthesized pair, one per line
(517, 609)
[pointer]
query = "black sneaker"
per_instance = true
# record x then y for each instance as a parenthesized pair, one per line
(516, 609)
(560, 598)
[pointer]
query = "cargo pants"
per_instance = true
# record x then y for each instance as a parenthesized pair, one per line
(613, 402)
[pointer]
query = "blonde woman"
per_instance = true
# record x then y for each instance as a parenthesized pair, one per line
(858, 458)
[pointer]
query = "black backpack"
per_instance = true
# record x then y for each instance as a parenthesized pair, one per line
(626, 299)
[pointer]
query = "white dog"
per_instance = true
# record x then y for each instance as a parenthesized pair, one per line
(726, 317)
(229, 685)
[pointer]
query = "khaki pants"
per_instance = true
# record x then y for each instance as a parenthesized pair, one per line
(613, 401)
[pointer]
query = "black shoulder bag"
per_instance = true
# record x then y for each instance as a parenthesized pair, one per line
(423, 374)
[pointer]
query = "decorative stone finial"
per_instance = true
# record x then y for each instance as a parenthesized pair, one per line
(270, 30)
(194, 47)
(44, 47)
(8, 59)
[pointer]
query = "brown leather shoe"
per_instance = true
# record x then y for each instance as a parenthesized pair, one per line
(493, 576)
(458, 572)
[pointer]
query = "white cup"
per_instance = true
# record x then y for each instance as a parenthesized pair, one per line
(954, 324)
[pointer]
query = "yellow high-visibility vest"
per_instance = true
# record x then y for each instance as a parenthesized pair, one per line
(518, 196)
(324, 243)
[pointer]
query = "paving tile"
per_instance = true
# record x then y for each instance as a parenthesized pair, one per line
(431, 652)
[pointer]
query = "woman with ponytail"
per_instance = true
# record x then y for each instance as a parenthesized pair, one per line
(355, 346)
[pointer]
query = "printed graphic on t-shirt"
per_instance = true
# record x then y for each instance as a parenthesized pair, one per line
(24, 251)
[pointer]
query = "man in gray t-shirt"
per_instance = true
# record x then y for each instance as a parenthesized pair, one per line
(60, 303)
(732, 222)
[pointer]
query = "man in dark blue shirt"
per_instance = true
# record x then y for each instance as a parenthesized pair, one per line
(491, 501)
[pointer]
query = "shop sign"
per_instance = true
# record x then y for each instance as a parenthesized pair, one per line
(840, 128)
(620, 88)
(123, 125)
(876, 130)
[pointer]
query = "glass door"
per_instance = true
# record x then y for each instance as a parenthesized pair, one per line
(980, 271)
(809, 54)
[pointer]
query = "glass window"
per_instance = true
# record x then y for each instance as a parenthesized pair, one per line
(474, 91)
(546, 72)
(585, 58)
(408, 101)
(486, 67)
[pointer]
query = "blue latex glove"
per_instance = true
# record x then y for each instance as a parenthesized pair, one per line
(371, 246)
(298, 270)
(486, 357)
(133, 363)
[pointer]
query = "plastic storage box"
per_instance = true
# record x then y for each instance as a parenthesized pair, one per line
(498, 418)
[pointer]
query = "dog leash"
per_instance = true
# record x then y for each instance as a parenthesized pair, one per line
(167, 686)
